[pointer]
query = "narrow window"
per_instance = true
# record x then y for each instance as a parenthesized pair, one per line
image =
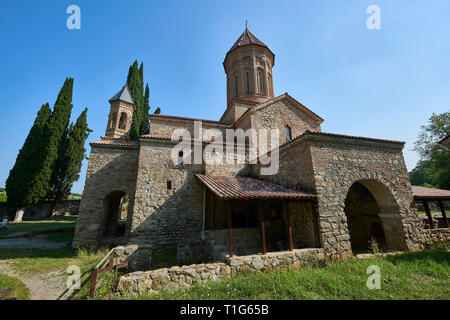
(236, 86)
(169, 184)
(288, 133)
(247, 79)
(260, 82)
(180, 158)
(123, 121)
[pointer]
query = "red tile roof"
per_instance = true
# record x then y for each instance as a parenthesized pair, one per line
(424, 193)
(114, 143)
(229, 188)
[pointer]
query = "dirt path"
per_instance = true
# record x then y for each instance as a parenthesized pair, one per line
(45, 286)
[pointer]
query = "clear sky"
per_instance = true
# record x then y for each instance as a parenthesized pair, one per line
(376, 83)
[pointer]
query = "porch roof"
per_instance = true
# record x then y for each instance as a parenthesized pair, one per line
(424, 193)
(244, 188)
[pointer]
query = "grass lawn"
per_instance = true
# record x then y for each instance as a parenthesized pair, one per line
(20, 292)
(434, 211)
(416, 275)
(52, 225)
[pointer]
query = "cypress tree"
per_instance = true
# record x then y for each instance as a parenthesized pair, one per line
(56, 131)
(28, 161)
(145, 111)
(73, 155)
(136, 91)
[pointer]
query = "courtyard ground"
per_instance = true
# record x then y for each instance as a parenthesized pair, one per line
(40, 273)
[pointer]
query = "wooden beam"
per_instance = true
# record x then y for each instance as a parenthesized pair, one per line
(427, 210)
(230, 231)
(444, 216)
(263, 232)
(289, 218)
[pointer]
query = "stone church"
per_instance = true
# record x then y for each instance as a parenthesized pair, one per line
(332, 192)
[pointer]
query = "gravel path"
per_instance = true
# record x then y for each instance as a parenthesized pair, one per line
(45, 286)
(30, 243)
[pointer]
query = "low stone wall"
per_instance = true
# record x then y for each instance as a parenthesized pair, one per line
(439, 237)
(182, 277)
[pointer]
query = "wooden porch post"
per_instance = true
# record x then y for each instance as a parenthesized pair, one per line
(427, 210)
(289, 217)
(263, 232)
(441, 205)
(230, 231)
(204, 208)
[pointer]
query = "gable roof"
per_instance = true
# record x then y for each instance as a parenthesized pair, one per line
(123, 95)
(284, 96)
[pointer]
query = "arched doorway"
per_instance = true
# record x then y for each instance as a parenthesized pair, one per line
(115, 207)
(373, 215)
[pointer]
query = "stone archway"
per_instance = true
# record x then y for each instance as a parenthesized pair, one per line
(113, 204)
(373, 213)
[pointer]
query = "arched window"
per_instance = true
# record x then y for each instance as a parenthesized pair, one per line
(112, 120)
(260, 82)
(123, 121)
(236, 86)
(288, 133)
(247, 80)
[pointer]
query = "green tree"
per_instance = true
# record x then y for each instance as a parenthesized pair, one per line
(56, 132)
(73, 155)
(136, 90)
(433, 167)
(145, 111)
(28, 161)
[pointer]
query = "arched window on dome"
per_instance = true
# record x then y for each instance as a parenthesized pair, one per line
(260, 82)
(247, 81)
(236, 85)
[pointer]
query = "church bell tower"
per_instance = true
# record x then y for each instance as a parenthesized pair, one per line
(248, 67)
(120, 114)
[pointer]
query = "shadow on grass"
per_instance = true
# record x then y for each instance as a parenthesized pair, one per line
(438, 256)
(58, 253)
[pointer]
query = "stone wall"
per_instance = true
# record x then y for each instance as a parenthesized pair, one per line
(183, 277)
(339, 162)
(110, 169)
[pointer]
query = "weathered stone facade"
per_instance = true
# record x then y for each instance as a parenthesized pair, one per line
(357, 190)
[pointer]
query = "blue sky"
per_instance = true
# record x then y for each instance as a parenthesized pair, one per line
(376, 83)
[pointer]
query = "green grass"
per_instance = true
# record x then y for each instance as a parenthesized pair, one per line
(433, 211)
(52, 225)
(20, 292)
(3, 197)
(417, 275)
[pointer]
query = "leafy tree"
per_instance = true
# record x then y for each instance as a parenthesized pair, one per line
(28, 161)
(56, 131)
(73, 153)
(434, 165)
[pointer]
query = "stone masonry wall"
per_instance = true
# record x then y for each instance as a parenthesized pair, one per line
(338, 162)
(183, 277)
(110, 169)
